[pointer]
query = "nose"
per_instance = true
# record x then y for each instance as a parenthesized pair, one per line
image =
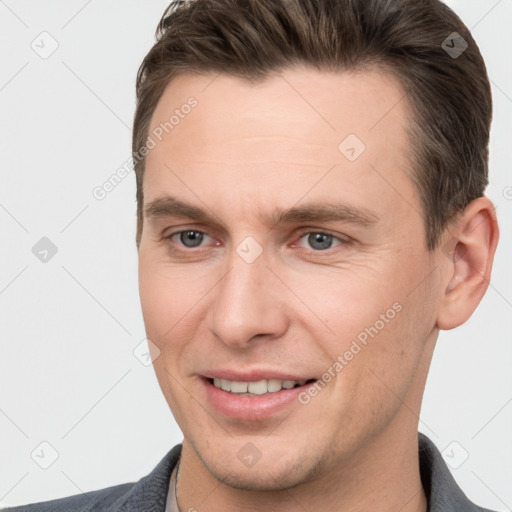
(248, 303)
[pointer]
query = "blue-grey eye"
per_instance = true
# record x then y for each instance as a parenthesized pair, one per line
(320, 241)
(191, 238)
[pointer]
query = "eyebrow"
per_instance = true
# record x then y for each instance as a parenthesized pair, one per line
(168, 206)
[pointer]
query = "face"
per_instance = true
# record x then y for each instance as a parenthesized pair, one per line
(283, 240)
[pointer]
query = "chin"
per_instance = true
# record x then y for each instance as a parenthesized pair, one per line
(267, 477)
(275, 472)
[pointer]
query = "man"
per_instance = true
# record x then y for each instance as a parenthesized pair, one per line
(311, 213)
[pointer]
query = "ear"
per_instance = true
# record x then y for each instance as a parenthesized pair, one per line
(468, 256)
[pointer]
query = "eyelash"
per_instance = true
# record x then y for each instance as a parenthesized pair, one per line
(301, 235)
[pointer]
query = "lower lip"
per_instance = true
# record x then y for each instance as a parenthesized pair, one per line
(252, 408)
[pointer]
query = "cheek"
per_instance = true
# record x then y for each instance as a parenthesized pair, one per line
(156, 301)
(371, 325)
(390, 362)
(348, 305)
(166, 295)
(174, 303)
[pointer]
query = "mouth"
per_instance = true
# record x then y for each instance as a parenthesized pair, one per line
(253, 401)
(257, 388)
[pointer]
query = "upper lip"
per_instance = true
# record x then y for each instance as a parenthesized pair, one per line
(253, 375)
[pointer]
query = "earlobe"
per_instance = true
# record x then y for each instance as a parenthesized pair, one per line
(472, 241)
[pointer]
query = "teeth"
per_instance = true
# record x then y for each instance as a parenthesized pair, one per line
(273, 385)
(225, 384)
(256, 388)
(240, 387)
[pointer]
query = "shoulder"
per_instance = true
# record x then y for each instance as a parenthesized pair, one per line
(443, 493)
(94, 500)
(149, 494)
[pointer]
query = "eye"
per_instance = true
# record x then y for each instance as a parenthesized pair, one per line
(320, 241)
(188, 238)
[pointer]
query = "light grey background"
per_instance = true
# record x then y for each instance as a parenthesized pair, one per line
(68, 375)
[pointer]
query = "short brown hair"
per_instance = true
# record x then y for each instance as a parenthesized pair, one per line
(449, 94)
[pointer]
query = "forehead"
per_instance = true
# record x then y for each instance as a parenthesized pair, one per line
(274, 135)
(301, 101)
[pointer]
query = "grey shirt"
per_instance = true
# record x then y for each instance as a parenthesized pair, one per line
(155, 492)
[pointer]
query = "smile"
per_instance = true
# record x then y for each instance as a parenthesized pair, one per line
(260, 387)
(252, 400)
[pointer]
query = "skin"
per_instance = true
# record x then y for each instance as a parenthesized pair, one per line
(242, 152)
